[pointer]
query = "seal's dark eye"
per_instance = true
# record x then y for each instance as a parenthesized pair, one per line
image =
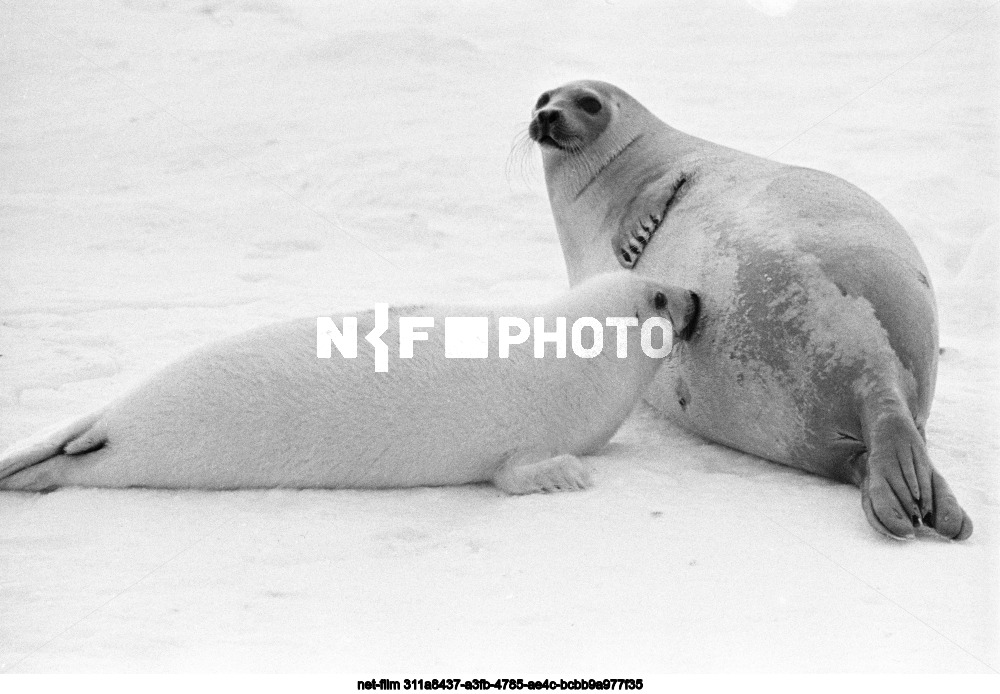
(660, 301)
(589, 104)
(542, 100)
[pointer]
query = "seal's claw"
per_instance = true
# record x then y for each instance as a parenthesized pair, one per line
(947, 518)
(561, 473)
(884, 511)
(925, 472)
(628, 244)
(628, 247)
(626, 259)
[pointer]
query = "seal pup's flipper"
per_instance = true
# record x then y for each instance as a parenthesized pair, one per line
(900, 489)
(79, 435)
(561, 473)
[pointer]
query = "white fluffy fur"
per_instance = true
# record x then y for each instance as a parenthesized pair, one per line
(261, 410)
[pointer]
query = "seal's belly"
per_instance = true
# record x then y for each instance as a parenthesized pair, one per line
(788, 347)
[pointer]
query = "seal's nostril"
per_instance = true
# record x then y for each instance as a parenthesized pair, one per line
(548, 117)
(660, 301)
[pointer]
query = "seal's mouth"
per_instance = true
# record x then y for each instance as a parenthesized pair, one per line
(548, 130)
(543, 135)
(691, 319)
(548, 141)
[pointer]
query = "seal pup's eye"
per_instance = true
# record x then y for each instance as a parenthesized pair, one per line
(589, 104)
(660, 301)
(542, 100)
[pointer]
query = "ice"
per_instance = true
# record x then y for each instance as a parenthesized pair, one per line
(174, 172)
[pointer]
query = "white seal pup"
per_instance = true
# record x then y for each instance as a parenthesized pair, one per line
(817, 345)
(262, 410)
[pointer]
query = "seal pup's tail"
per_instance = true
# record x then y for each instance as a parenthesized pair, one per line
(79, 435)
(900, 488)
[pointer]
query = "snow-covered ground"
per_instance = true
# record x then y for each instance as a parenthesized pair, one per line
(172, 172)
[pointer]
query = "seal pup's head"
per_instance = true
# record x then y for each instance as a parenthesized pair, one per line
(626, 294)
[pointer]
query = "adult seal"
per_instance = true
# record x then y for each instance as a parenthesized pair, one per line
(817, 342)
(264, 410)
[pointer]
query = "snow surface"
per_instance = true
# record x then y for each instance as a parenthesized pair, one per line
(173, 172)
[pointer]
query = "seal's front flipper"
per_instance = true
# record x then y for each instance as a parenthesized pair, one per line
(630, 241)
(561, 473)
(79, 435)
(899, 487)
(635, 234)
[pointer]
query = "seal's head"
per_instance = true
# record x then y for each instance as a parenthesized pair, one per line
(571, 117)
(581, 126)
(607, 170)
(625, 294)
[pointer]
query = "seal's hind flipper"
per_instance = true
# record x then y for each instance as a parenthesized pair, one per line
(900, 488)
(79, 435)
